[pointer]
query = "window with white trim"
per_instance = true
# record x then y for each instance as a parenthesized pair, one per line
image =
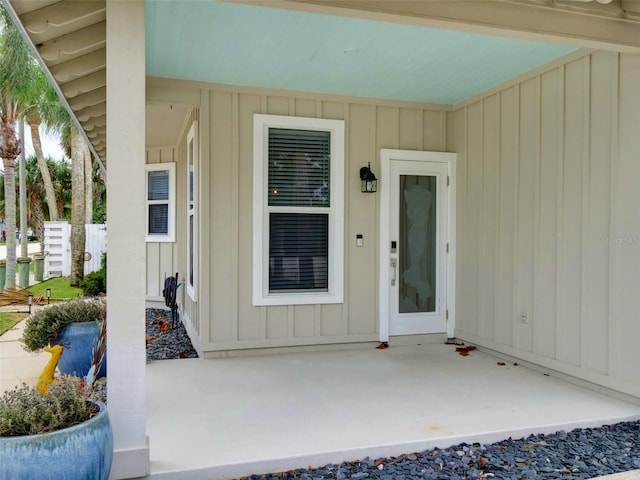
(160, 191)
(192, 199)
(298, 204)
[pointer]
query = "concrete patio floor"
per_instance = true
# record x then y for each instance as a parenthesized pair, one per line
(224, 418)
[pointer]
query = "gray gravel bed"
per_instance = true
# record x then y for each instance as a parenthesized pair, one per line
(166, 343)
(576, 455)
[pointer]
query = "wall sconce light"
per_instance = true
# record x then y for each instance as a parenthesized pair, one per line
(368, 181)
(30, 302)
(48, 296)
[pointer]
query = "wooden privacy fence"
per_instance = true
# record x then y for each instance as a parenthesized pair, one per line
(57, 248)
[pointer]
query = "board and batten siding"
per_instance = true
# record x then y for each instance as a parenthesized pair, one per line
(548, 226)
(166, 258)
(234, 324)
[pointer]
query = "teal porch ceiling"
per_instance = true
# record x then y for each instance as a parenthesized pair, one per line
(212, 41)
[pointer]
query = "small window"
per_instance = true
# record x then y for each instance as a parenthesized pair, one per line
(298, 210)
(160, 202)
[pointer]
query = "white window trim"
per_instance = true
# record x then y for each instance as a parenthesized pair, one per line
(192, 136)
(335, 293)
(171, 221)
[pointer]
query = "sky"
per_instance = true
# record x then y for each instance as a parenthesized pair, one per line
(50, 146)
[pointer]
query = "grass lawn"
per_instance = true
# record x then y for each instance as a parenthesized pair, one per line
(60, 289)
(9, 319)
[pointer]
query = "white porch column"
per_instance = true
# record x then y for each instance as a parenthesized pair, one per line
(126, 252)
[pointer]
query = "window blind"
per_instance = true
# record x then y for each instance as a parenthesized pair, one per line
(298, 251)
(299, 164)
(158, 185)
(159, 219)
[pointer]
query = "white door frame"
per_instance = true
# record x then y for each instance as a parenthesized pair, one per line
(386, 156)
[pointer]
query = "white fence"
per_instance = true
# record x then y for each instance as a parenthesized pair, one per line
(57, 248)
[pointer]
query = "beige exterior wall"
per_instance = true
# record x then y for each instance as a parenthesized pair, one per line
(548, 227)
(226, 144)
(234, 322)
(166, 258)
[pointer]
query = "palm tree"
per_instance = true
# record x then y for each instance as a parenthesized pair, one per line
(78, 207)
(61, 177)
(36, 205)
(17, 72)
(48, 110)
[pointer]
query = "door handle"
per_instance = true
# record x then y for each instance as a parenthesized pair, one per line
(394, 265)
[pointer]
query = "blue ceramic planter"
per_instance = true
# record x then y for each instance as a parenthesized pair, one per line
(84, 451)
(78, 340)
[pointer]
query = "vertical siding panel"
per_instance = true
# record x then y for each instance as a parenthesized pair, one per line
(348, 192)
(223, 324)
(433, 131)
(233, 197)
(410, 130)
(305, 108)
(333, 110)
(387, 127)
(625, 239)
(362, 220)
(277, 322)
(278, 106)
(153, 270)
(303, 321)
(488, 217)
(614, 129)
(462, 310)
(509, 108)
(596, 313)
(528, 166)
(569, 321)
(331, 320)
(451, 130)
(472, 220)
(251, 326)
(546, 262)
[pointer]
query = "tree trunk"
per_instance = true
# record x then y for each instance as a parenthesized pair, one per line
(88, 186)
(50, 195)
(10, 148)
(10, 219)
(37, 220)
(77, 208)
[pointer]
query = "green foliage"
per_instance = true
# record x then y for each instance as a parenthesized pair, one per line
(45, 325)
(24, 411)
(95, 283)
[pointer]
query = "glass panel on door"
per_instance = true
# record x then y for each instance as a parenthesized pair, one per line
(418, 244)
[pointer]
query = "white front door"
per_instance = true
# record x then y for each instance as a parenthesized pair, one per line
(415, 239)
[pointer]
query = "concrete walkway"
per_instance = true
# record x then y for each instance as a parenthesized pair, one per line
(16, 364)
(631, 475)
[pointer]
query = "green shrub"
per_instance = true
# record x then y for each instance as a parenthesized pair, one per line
(45, 325)
(95, 283)
(24, 411)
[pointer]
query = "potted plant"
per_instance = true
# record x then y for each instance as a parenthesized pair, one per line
(65, 434)
(75, 325)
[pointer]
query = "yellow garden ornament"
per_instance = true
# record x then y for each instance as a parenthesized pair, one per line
(46, 377)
